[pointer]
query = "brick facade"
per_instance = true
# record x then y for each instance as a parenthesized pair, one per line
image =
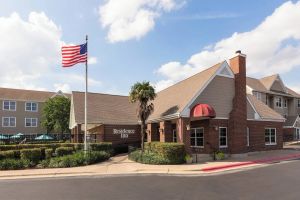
(238, 115)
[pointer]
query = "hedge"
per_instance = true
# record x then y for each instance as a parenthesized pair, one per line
(62, 151)
(76, 159)
(48, 153)
(103, 146)
(7, 154)
(33, 155)
(160, 153)
(11, 164)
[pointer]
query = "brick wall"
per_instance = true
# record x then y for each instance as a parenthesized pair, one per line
(238, 116)
(257, 135)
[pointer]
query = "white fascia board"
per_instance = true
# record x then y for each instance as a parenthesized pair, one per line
(186, 110)
(167, 117)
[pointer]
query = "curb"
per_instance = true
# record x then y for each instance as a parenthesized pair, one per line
(261, 161)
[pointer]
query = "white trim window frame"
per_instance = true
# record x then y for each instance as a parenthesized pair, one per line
(223, 138)
(31, 106)
(174, 135)
(278, 102)
(196, 137)
(248, 137)
(31, 122)
(270, 136)
(7, 105)
(9, 121)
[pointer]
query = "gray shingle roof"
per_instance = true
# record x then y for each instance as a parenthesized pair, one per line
(104, 109)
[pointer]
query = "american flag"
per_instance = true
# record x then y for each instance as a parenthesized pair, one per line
(71, 55)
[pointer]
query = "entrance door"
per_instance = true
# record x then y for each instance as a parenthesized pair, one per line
(297, 136)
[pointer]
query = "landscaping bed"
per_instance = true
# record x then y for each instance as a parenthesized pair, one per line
(52, 155)
(160, 154)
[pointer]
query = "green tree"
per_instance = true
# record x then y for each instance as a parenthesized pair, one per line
(142, 94)
(56, 114)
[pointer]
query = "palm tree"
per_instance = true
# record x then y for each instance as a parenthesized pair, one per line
(143, 93)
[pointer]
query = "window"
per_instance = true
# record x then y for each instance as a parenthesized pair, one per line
(278, 102)
(223, 136)
(31, 106)
(270, 136)
(197, 137)
(257, 95)
(298, 103)
(174, 135)
(285, 103)
(30, 122)
(248, 136)
(267, 100)
(9, 105)
(8, 122)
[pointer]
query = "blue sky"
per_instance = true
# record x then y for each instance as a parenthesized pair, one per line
(180, 38)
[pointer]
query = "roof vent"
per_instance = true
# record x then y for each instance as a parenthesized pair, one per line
(238, 52)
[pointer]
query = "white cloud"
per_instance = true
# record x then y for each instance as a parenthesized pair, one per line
(31, 55)
(92, 60)
(271, 47)
(132, 19)
(62, 87)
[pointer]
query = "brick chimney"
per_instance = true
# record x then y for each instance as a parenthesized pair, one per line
(237, 139)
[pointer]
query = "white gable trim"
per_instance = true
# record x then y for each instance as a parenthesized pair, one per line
(298, 118)
(59, 93)
(256, 115)
(186, 111)
(225, 67)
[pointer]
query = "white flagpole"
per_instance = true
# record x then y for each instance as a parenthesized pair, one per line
(85, 101)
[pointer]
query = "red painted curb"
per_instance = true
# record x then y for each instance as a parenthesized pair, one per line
(269, 160)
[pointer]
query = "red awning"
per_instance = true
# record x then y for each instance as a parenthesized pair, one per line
(203, 110)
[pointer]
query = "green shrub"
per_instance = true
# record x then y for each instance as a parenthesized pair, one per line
(33, 155)
(76, 159)
(48, 153)
(103, 146)
(62, 151)
(11, 164)
(7, 154)
(219, 155)
(167, 153)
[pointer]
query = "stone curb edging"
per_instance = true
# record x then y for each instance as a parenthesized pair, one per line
(261, 161)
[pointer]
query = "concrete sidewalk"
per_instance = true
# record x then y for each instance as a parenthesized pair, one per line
(120, 165)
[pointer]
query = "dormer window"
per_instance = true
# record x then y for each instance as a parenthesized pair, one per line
(257, 95)
(278, 102)
(285, 103)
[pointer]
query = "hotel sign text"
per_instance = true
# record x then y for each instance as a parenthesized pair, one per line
(124, 133)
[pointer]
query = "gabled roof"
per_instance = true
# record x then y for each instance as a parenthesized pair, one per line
(291, 120)
(268, 81)
(261, 86)
(104, 109)
(264, 111)
(172, 100)
(27, 95)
